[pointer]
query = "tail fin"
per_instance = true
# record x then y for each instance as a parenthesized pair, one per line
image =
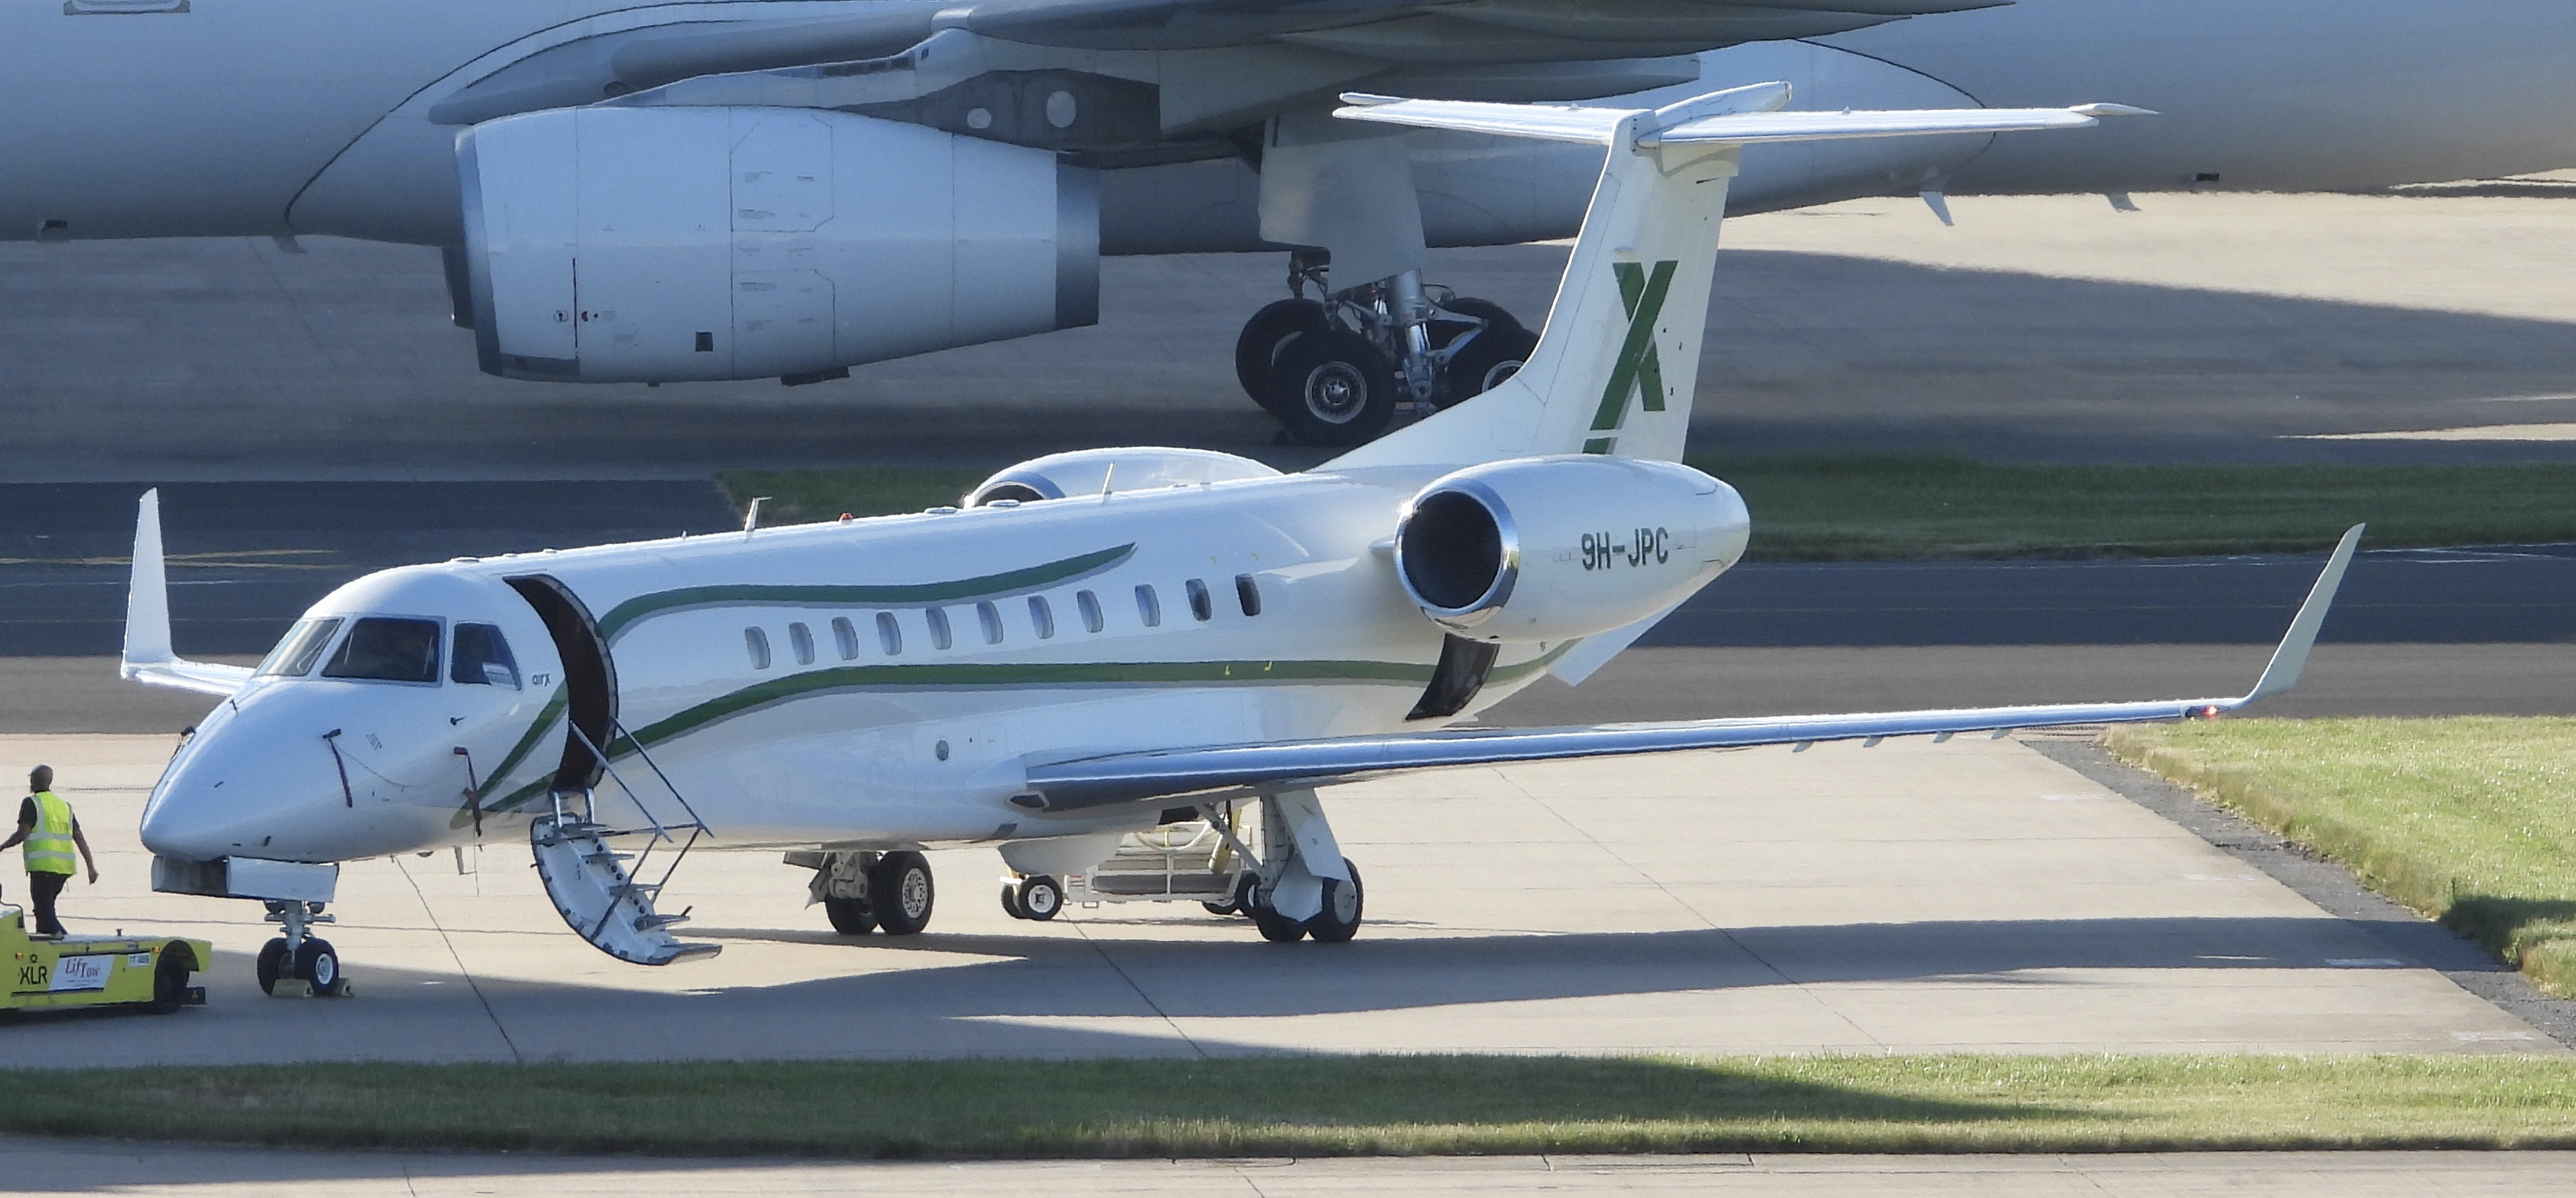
(1618, 360)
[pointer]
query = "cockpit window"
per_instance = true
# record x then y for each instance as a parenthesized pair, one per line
(482, 658)
(296, 651)
(388, 649)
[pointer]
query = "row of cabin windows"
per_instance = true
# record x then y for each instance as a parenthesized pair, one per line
(988, 621)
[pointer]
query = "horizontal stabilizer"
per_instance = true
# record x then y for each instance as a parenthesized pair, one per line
(1738, 116)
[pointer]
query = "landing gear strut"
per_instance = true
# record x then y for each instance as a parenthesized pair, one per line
(300, 959)
(1288, 894)
(1336, 369)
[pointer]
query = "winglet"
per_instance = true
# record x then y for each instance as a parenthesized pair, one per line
(2283, 672)
(147, 596)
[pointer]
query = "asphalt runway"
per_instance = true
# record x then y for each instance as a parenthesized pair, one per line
(2415, 632)
(1971, 896)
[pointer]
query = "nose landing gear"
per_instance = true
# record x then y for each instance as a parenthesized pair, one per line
(1335, 370)
(299, 963)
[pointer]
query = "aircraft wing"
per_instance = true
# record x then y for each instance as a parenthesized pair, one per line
(1247, 769)
(1443, 32)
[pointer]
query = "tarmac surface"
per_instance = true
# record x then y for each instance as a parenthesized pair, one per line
(1972, 896)
(75, 1167)
(2207, 327)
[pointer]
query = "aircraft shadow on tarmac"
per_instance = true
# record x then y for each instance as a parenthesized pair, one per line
(1253, 979)
(277, 366)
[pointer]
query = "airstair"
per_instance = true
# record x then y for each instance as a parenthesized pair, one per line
(599, 890)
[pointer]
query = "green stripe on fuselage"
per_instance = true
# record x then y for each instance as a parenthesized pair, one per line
(528, 740)
(1024, 676)
(622, 618)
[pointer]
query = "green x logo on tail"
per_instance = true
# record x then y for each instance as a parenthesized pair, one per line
(1638, 369)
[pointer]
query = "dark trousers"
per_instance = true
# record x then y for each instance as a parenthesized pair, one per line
(44, 888)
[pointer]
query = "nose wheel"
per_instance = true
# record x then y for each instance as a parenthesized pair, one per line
(299, 963)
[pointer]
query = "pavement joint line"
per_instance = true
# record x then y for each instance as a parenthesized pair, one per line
(461, 969)
(1101, 949)
(2329, 885)
(1695, 913)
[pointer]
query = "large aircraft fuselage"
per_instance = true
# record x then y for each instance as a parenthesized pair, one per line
(121, 118)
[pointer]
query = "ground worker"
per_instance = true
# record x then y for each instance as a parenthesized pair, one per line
(46, 825)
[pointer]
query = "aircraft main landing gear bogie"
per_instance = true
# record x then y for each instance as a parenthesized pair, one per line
(1336, 370)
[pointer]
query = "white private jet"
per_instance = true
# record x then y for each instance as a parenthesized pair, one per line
(1092, 644)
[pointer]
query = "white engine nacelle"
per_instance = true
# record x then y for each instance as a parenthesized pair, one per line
(1549, 549)
(660, 244)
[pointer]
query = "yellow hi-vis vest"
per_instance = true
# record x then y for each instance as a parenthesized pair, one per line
(49, 843)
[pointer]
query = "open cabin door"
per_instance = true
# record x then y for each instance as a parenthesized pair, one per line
(590, 676)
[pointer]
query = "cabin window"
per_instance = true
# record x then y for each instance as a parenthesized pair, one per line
(300, 648)
(990, 617)
(756, 643)
(940, 637)
(845, 637)
(800, 641)
(386, 649)
(1202, 608)
(1247, 594)
(481, 657)
(1149, 607)
(1089, 605)
(1041, 617)
(889, 634)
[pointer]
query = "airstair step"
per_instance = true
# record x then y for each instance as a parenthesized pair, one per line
(598, 900)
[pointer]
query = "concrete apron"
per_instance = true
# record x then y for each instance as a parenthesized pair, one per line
(1970, 896)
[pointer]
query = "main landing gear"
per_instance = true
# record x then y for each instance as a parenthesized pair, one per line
(1304, 887)
(1335, 369)
(863, 892)
(300, 962)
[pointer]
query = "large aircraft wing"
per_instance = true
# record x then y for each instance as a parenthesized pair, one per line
(1249, 769)
(148, 657)
(1429, 32)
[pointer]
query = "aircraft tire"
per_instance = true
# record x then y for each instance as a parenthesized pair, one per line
(1333, 389)
(271, 965)
(1496, 354)
(319, 964)
(850, 916)
(1277, 928)
(1011, 901)
(1041, 898)
(1340, 918)
(901, 891)
(1485, 310)
(1263, 336)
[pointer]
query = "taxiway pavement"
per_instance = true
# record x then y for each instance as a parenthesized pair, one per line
(2051, 328)
(1970, 896)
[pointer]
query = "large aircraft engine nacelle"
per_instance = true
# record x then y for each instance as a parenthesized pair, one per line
(1549, 549)
(661, 244)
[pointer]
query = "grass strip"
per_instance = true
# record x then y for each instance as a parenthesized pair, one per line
(1925, 506)
(2469, 820)
(1306, 1106)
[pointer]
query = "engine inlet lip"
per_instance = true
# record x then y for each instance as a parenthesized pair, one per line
(1485, 606)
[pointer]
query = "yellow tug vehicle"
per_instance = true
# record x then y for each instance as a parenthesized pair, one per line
(150, 972)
